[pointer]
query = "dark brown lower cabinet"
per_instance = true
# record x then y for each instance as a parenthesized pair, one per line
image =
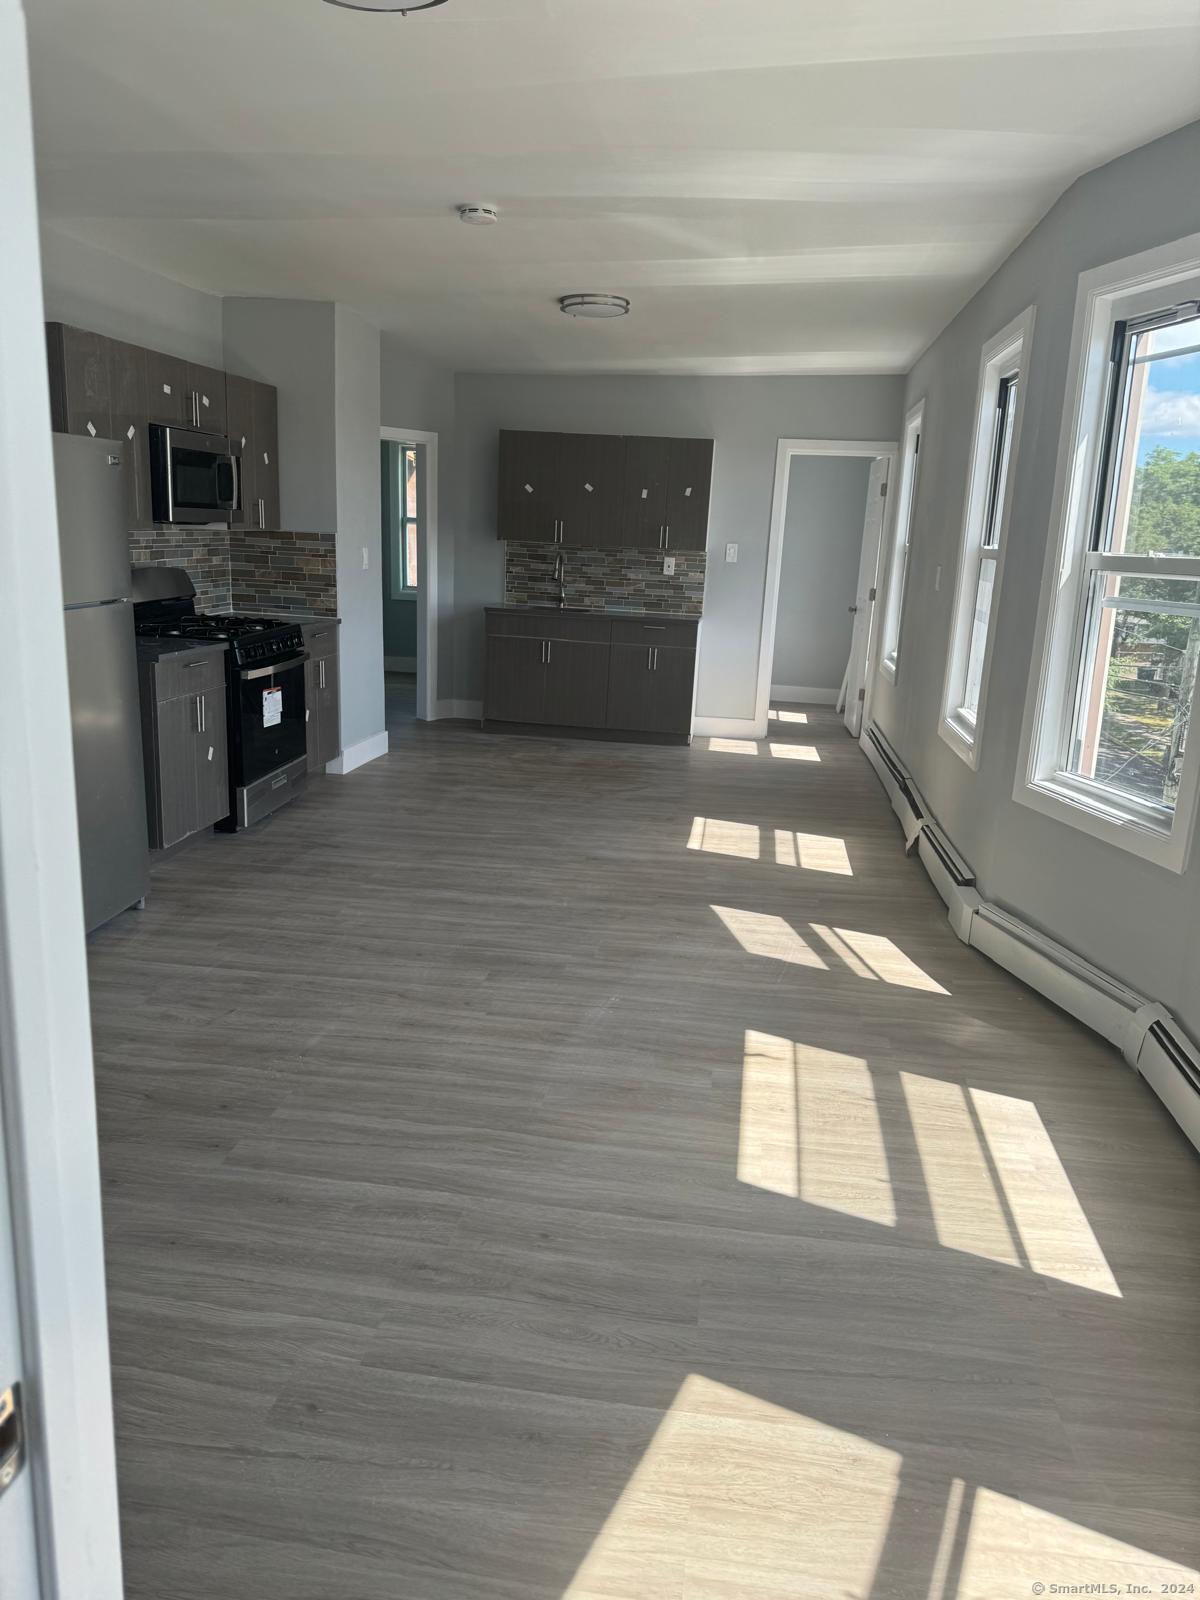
(568, 669)
(184, 743)
(650, 688)
(322, 694)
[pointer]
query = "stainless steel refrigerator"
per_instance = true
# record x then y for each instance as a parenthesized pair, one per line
(92, 477)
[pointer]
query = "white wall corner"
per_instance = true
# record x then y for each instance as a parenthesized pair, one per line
(359, 754)
(729, 728)
(793, 695)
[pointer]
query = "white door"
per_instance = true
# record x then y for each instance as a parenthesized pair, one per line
(18, 1543)
(855, 684)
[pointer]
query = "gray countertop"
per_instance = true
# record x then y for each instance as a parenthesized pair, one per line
(619, 612)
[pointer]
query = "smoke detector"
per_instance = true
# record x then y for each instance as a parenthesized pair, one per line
(594, 305)
(478, 216)
(402, 6)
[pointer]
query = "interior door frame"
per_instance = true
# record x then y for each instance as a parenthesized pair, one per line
(427, 583)
(787, 451)
(46, 1073)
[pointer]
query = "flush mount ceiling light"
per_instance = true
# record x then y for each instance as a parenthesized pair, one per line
(478, 216)
(594, 305)
(402, 6)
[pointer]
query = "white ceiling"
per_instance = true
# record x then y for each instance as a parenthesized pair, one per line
(779, 185)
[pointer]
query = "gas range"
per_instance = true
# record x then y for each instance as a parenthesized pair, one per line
(265, 689)
(252, 641)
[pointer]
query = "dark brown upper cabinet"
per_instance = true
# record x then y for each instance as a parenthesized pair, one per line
(167, 395)
(206, 399)
(604, 491)
(80, 391)
(113, 390)
(528, 507)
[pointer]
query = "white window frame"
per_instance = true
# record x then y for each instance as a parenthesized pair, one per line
(1122, 290)
(1003, 356)
(901, 540)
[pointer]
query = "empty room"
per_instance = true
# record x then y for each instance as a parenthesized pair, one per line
(599, 941)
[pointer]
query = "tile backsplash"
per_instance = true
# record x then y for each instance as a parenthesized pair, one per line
(203, 553)
(284, 571)
(247, 569)
(631, 578)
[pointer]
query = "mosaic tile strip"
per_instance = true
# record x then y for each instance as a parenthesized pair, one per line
(284, 572)
(203, 553)
(605, 577)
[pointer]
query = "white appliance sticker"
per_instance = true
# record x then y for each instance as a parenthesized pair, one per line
(266, 459)
(130, 431)
(166, 388)
(687, 493)
(210, 752)
(645, 494)
(272, 707)
(203, 399)
(528, 488)
(92, 429)
(589, 488)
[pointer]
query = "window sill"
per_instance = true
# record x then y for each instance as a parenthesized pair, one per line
(963, 739)
(1167, 848)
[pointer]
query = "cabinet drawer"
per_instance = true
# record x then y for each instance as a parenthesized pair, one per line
(549, 624)
(189, 672)
(669, 631)
(320, 639)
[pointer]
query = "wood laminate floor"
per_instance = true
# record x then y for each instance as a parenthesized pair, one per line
(561, 1171)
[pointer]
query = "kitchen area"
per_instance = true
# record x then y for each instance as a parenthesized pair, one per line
(605, 541)
(203, 650)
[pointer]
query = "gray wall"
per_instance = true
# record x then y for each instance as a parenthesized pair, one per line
(818, 576)
(360, 595)
(746, 417)
(290, 343)
(91, 289)
(1134, 919)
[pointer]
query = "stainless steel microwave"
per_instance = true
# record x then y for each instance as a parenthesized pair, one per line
(193, 476)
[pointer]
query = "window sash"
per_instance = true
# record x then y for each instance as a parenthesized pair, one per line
(902, 538)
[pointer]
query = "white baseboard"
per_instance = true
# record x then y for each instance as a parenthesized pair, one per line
(728, 728)
(1144, 1032)
(793, 695)
(399, 663)
(459, 710)
(359, 754)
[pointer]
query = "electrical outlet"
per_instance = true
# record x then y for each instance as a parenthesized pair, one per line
(669, 567)
(366, 558)
(937, 579)
(731, 552)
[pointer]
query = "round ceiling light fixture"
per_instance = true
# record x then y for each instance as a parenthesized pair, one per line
(478, 216)
(594, 305)
(402, 6)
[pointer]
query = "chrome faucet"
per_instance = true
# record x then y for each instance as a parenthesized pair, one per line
(561, 580)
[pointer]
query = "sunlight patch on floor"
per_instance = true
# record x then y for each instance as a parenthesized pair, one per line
(1012, 1547)
(1050, 1222)
(735, 1496)
(996, 1185)
(762, 935)
(794, 752)
(883, 958)
(815, 852)
(733, 747)
(810, 1128)
(787, 716)
(725, 838)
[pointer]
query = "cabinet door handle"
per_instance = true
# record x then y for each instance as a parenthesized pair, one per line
(548, 644)
(199, 717)
(667, 537)
(203, 713)
(321, 664)
(262, 513)
(656, 659)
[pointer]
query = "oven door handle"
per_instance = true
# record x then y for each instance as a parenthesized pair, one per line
(278, 666)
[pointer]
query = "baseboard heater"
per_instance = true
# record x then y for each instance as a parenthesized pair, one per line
(1145, 1033)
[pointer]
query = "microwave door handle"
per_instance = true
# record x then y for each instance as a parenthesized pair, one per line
(235, 467)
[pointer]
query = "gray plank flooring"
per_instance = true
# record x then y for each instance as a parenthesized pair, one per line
(490, 1218)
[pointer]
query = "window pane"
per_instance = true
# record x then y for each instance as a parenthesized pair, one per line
(1156, 482)
(410, 476)
(979, 632)
(410, 555)
(1006, 411)
(1142, 645)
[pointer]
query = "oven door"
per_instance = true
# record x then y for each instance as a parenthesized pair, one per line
(193, 476)
(268, 723)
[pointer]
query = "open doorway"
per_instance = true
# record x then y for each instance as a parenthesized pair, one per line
(822, 574)
(408, 568)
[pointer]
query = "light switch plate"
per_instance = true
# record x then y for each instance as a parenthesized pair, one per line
(731, 552)
(366, 558)
(669, 567)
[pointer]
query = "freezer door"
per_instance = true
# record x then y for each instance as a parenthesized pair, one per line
(110, 787)
(92, 478)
